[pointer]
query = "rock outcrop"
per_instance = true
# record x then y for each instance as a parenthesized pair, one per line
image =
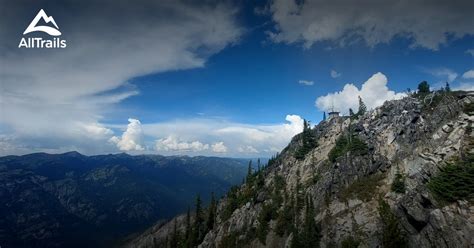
(408, 138)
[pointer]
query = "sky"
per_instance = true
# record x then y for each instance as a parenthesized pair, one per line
(216, 78)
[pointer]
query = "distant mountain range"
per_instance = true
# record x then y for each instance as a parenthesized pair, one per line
(75, 200)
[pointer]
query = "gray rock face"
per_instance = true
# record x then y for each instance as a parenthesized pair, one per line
(405, 136)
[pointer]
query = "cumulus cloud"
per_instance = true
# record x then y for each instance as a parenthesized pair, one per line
(219, 136)
(468, 74)
(470, 51)
(219, 147)
(306, 82)
(335, 74)
(374, 92)
(171, 143)
(132, 138)
(247, 149)
(425, 23)
(79, 85)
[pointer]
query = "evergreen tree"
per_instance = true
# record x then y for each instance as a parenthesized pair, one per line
(324, 115)
(175, 236)
(188, 231)
(308, 140)
(423, 88)
(249, 173)
(198, 221)
(211, 217)
(258, 165)
(392, 235)
(351, 112)
(447, 88)
(398, 184)
(310, 232)
(362, 107)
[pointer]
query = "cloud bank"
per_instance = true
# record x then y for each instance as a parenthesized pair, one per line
(374, 93)
(109, 43)
(218, 137)
(425, 23)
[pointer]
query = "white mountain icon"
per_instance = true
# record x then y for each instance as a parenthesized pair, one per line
(49, 30)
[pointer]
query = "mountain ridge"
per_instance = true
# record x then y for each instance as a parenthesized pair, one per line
(370, 180)
(71, 199)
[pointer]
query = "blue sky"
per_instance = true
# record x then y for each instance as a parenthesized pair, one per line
(222, 79)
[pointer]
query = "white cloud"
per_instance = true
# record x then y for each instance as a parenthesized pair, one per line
(219, 147)
(444, 73)
(425, 23)
(470, 51)
(171, 143)
(374, 92)
(335, 74)
(247, 149)
(306, 82)
(132, 138)
(467, 86)
(79, 85)
(468, 74)
(267, 139)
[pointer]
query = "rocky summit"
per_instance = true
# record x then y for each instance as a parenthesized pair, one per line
(400, 175)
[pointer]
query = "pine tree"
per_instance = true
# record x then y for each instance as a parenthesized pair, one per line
(324, 115)
(447, 88)
(351, 112)
(188, 231)
(362, 107)
(310, 232)
(198, 221)
(211, 217)
(249, 173)
(258, 165)
(423, 88)
(308, 140)
(175, 236)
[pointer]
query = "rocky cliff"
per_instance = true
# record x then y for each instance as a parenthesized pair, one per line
(399, 175)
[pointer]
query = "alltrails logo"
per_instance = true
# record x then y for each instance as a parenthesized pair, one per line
(38, 42)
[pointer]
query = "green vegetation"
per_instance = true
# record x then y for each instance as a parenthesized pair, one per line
(363, 188)
(284, 222)
(194, 232)
(229, 241)
(267, 213)
(175, 236)
(447, 88)
(211, 215)
(362, 107)
(309, 142)
(455, 181)
(423, 88)
(350, 242)
(398, 184)
(347, 144)
(308, 235)
(392, 236)
(197, 231)
(237, 197)
(314, 179)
